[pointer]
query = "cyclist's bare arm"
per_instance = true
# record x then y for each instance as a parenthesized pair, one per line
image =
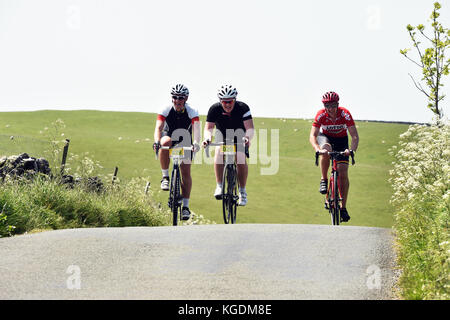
(207, 133)
(196, 132)
(249, 130)
(158, 129)
(355, 137)
(313, 140)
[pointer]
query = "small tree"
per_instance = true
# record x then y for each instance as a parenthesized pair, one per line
(432, 60)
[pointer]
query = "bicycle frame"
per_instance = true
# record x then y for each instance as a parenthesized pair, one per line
(176, 154)
(229, 181)
(333, 198)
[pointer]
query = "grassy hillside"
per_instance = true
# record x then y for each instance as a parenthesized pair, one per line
(291, 196)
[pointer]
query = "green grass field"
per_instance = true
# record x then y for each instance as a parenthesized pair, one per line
(290, 196)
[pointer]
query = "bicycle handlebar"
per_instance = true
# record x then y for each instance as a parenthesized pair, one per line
(334, 154)
(218, 144)
(191, 148)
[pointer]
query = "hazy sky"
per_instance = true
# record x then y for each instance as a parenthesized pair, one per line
(281, 55)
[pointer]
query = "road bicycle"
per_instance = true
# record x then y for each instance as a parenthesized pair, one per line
(333, 198)
(176, 153)
(230, 195)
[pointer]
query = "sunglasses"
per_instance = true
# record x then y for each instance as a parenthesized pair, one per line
(178, 97)
(226, 101)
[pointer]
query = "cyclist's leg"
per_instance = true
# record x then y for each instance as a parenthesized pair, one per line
(242, 169)
(164, 161)
(218, 171)
(344, 183)
(218, 165)
(164, 154)
(340, 145)
(325, 162)
(343, 187)
(186, 183)
(242, 174)
(324, 143)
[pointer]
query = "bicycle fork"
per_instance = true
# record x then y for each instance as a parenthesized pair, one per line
(331, 192)
(175, 187)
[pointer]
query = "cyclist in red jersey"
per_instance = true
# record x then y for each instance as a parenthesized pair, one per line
(329, 133)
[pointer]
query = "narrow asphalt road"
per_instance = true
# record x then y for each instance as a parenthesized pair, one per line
(244, 261)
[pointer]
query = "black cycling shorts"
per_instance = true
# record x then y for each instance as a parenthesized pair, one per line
(337, 144)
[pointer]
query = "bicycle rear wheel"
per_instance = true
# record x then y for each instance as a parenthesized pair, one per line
(229, 193)
(329, 200)
(175, 196)
(233, 187)
(335, 207)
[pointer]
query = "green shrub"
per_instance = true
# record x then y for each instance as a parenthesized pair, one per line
(46, 204)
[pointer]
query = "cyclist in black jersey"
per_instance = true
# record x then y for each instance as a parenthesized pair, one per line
(177, 124)
(233, 122)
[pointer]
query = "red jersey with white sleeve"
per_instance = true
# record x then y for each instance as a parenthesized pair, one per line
(336, 128)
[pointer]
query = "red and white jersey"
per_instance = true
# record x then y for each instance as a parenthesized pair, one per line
(336, 128)
(178, 120)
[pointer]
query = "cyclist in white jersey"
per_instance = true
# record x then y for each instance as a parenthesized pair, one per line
(177, 124)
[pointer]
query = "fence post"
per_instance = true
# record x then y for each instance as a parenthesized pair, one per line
(64, 157)
(115, 175)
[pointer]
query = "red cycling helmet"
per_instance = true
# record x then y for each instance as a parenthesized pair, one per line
(330, 96)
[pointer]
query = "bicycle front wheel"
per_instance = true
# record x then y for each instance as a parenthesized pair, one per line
(229, 194)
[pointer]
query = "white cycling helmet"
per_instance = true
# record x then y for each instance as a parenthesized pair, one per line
(227, 92)
(180, 90)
